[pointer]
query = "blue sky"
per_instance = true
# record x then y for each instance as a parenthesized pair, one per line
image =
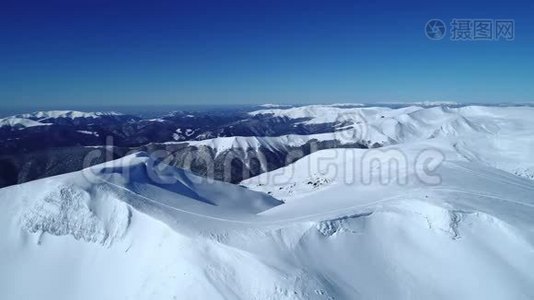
(94, 52)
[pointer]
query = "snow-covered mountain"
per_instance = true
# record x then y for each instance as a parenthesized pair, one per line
(43, 118)
(66, 114)
(448, 219)
(274, 143)
(62, 117)
(385, 126)
(496, 136)
(30, 152)
(19, 123)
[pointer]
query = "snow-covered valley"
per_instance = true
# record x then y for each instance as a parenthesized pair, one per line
(442, 208)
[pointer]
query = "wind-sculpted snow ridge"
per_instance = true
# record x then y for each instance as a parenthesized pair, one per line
(176, 188)
(93, 205)
(70, 210)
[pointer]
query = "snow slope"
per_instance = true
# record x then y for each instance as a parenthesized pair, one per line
(131, 229)
(101, 233)
(19, 123)
(469, 235)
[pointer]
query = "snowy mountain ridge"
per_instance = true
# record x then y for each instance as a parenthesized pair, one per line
(19, 123)
(42, 118)
(68, 114)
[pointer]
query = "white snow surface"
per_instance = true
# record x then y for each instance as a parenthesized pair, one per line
(333, 225)
(19, 123)
(40, 118)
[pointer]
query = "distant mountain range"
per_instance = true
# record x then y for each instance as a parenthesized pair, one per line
(41, 144)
